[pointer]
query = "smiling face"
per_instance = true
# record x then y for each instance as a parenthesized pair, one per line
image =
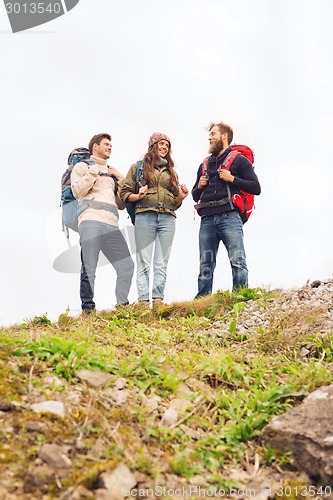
(217, 142)
(103, 149)
(163, 148)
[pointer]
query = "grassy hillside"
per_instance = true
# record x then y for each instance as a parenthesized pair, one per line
(191, 386)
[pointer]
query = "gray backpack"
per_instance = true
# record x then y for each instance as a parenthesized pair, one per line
(71, 208)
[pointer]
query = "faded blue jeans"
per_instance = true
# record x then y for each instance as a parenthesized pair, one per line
(153, 231)
(96, 237)
(228, 228)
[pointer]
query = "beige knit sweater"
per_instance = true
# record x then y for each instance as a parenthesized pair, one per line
(88, 184)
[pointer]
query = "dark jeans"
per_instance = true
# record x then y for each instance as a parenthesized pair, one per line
(228, 228)
(96, 237)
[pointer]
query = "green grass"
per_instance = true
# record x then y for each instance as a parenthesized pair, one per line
(238, 385)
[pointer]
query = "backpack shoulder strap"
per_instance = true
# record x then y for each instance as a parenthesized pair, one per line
(88, 162)
(204, 171)
(204, 166)
(139, 170)
(115, 183)
(115, 180)
(102, 174)
(226, 165)
(230, 159)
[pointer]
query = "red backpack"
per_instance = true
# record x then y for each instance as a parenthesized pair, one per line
(243, 201)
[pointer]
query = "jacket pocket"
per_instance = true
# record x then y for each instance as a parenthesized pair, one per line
(152, 190)
(169, 198)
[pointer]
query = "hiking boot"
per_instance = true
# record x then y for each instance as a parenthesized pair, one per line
(88, 312)
(157, 302)
(142, 304)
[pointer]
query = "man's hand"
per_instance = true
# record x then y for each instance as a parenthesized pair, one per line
(226, 176)
(202, 182)
(113, 171)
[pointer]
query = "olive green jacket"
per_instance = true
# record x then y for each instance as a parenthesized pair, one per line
(160, 191)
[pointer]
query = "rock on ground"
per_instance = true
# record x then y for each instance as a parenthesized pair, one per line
(118, 482)
(307, 432)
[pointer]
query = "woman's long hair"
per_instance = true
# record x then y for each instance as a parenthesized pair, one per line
(151, 158)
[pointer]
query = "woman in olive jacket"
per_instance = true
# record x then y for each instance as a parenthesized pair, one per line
(157, 199)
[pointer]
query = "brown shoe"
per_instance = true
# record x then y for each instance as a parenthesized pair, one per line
(157, 302)
(142, 304)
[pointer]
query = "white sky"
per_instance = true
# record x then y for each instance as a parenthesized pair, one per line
(132, 68)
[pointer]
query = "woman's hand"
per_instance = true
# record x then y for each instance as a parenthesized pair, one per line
(133, 197)
(183, 191)
(142, 192)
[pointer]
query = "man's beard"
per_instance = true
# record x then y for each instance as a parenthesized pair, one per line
(216, 147)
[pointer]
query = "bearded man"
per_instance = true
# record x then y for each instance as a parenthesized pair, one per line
(220, 219)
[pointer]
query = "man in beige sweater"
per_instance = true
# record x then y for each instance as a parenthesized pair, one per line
(97, 188)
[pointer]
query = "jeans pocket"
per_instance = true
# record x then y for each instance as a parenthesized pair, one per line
(234, 219)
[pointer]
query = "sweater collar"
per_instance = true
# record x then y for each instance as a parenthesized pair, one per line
(100, 161)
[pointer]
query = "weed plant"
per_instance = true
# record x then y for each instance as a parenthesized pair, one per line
(234, 387)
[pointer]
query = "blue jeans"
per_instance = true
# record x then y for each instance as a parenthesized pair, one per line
(228, 228)
(157, 230)
(96, 237)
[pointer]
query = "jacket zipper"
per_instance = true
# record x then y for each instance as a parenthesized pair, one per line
(216, 176)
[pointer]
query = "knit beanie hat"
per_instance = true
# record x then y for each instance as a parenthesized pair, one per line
(156, 137)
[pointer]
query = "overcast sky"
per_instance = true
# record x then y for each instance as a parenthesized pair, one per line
(132, 68)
